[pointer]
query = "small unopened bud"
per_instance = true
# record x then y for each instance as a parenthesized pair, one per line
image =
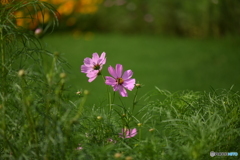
(139, 124)
(78, 92)
(99, 117)
(124, 115)
(38, 32)
(151, 130)
(117, 155)
(128, 158)
(56, 54)
(86, 92)
(138, 85)
(21, 73)
(62, 75)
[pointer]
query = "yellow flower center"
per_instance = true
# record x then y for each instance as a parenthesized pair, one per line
(119, 80)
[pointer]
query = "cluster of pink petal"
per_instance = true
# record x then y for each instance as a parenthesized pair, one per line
(79, 147)
(120, 81)
(93, 66)
(110, 140)
(128, 133)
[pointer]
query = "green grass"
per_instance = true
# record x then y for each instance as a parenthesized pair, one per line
(167, 62)
(42, 118)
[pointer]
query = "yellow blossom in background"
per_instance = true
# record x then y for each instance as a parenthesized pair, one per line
(3, 2)
(87, 6)
(19, 18)
(43, 17)
(57, 2)
(67, 8)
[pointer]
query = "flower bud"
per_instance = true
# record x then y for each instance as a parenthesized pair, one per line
(21, 73)
(56, 54)
(78, 92)
(86, 92)
(138, 85)
(128, 158)
(151, 130)
(139, 124)
(62, 75)
(99, 117)
(38, 32)
(117, 155)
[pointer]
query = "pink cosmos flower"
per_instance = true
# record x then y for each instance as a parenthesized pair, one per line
(128, 133)
(120, 81)
(93, 66)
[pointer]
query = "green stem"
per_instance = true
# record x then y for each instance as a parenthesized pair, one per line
(80, 108)
(140, 133)
(3, 83)
(27, 111)
(135, 100)
(3, 60)
(109, 99)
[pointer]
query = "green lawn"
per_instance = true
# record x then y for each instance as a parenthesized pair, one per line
(170, 63)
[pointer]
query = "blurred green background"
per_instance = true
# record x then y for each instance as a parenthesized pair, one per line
(174, 45)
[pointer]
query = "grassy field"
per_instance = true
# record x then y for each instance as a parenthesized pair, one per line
(43, 118)
(169, 63)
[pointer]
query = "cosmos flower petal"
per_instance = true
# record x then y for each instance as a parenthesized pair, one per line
(116, 87)
(129, 84)
(102, 59)
(88, 61)
(127, 74)
(133, 132)
(103, 55)
(95, 58)
(111, 70)
(92, 78)
(110, 81)
(92, 75)
(85, 69)
(128, 133)
(119, 69)
(122, 91)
